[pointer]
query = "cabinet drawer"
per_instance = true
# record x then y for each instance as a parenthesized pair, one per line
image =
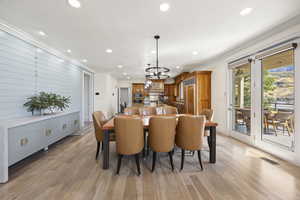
(74, 123)
(24, 141)
(51, 132)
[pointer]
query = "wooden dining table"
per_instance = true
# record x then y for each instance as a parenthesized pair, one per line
(109, 127)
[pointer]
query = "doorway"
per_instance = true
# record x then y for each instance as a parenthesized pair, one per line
(87, 107)
(124, 99)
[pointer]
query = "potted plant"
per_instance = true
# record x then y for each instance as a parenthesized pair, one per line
(47, 101)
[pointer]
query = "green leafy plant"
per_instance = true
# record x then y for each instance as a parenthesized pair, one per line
(47, 101)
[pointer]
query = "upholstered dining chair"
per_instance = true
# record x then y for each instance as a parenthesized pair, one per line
(209, 114)
(189, 135)
(131, 111)
(147, 110)
(162, 130)
(170, 110)
(99, 120)
(129, 138)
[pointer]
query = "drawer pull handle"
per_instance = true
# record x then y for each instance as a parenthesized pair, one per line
(64, 126)
(48, 132)
(23, 141)
(75, 122)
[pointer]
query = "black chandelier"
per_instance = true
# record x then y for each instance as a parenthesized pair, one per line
(157, 72)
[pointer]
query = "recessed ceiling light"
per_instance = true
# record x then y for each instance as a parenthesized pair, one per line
(125, 74)
(108, 51)
(153, 51)
(164, 7)
(69, 51)
(42, 33)
(177, 67)
(84, 60)
(120, 66)
(246, 11)
(74, 3)
(195, 52)
(128, 77)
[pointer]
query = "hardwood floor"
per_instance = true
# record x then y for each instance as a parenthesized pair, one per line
(69, 171)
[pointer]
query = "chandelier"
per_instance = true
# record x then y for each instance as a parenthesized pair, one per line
(157, 72)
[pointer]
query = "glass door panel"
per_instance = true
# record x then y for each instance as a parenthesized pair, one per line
(278, 99)
(241, 99)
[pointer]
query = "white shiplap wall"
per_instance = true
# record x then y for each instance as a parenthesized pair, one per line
(25, 71)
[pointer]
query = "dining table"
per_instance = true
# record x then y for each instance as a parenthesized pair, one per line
(109, 127)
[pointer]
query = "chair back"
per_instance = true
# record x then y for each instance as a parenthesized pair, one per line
(99, 120)
(190, 132)
(170, 110)
(147, 110)
(208, 113)
(131, 111)
(129, 135)
(162, 130)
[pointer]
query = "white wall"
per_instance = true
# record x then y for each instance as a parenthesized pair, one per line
(106, 85)
(220, 88)
(26, 70)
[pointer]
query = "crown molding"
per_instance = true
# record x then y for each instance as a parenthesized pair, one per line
(16, 32)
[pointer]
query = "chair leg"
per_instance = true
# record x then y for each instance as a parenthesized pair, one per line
(119, 162)
(102, 147)
(171, 160)
(98, 148)
(182, 158)
(200, 161)
(137, 160)
(153, 161)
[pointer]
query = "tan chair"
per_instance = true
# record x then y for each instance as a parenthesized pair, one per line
(162, 132)
(209, 114)
(131, 111)
(147, 110)
(170, 110)
(129, 137)
(99, 120)
(189, 136)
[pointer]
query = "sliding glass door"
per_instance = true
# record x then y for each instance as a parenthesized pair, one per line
(241, 99)
(262, 98)
(278, 99)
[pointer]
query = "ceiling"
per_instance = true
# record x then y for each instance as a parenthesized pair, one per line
(127, 27)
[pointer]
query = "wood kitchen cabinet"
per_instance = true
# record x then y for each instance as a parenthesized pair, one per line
(196, 90)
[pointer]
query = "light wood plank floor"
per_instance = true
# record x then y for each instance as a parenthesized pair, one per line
(69, 171)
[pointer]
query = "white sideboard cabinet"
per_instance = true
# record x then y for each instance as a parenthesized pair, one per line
(20, 138)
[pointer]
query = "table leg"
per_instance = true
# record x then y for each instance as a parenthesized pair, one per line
(106, 150)
(212, 144)
(145, 144)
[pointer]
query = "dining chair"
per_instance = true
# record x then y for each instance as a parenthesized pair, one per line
(162, 130)
(170, 110)
(131, 111)
(189, 135)
(129, 138)
(147, 110)
(99, 120)
(209, 114)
